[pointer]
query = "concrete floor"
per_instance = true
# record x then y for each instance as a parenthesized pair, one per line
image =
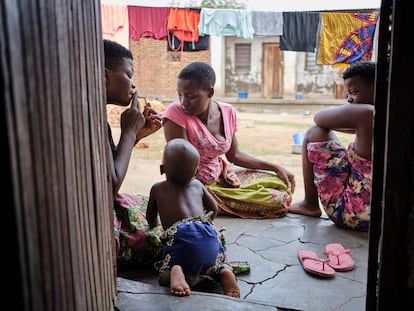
(276, 281)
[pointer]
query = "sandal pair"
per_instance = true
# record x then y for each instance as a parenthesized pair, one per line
(338, 259)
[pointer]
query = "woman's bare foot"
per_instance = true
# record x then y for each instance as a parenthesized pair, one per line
(178, 284)
(229, 283)
(303, 208)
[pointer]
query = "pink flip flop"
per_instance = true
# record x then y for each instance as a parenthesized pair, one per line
(314, 265)
(339, 257)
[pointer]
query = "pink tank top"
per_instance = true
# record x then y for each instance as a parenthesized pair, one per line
(199, 136)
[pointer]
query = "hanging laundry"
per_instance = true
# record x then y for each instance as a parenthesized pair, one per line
(224, 22)
(300, 31)
(267, 24)
(183, 24)
(173, 44)
(115, 25)
(148, 22)
(346, 38)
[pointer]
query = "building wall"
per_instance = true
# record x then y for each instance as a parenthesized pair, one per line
(252, 80)
(316, 81)
(218, 62)
(156, 69)
(289, 74)
(297, 78)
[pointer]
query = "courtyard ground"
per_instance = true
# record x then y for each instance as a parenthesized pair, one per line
(277, 280)
(266, 133)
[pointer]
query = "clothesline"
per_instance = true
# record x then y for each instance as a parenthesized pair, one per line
(266, 5)
(337, 37)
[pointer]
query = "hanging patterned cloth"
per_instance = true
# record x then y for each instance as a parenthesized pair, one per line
(346, 38)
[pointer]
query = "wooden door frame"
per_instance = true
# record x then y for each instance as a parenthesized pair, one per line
(270, 87)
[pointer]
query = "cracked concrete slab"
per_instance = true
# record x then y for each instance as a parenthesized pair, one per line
(276, 281)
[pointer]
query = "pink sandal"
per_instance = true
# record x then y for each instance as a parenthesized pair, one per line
(312, 264)
(339, 257)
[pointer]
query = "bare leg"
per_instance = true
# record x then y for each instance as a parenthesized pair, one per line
(176, 280)
(229, 283)
(310, 204)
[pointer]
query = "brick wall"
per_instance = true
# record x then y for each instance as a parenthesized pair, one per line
(156, 69)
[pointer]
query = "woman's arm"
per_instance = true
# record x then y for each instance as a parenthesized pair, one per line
(234, 155)
(343, 130)
(152, 211)
(356, 117)
(173, 130)
(132, 120)
(152, 122)
(208, 202)
(348, 116)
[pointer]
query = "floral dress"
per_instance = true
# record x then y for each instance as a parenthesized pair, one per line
(344, 180)
(136, 243)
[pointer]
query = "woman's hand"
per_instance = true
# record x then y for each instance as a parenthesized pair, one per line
(132, 119)
(152, 122)
(287, 177)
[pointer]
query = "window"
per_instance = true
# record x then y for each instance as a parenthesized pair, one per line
(311, 62)
(242, 57)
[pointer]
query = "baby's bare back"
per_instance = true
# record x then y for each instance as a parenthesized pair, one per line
(176, 202)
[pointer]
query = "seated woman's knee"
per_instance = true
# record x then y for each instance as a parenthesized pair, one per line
(317, 133)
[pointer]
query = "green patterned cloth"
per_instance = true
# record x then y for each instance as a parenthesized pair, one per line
(136, 243)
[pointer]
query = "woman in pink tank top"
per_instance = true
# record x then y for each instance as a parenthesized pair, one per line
(211, 126)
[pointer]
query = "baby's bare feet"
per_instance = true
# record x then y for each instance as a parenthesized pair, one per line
(229, 283)
(178, 284)
(303, 208)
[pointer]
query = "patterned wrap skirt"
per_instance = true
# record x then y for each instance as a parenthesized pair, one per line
(344, 181)
(136, 243)
(250, 194)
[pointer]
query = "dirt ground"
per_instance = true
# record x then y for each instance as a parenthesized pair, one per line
(266, 134)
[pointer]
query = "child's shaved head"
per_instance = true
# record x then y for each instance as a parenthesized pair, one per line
(180, 161)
